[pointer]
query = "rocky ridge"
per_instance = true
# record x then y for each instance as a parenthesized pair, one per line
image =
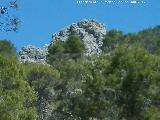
(89, 31)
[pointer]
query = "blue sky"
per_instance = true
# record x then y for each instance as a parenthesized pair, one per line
(41, 18)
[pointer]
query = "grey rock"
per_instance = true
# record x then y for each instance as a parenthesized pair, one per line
(32, 54)
(89, 31)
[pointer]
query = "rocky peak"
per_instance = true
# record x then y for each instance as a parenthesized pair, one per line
(90, 32)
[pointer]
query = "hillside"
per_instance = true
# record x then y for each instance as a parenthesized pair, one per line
(85, 73)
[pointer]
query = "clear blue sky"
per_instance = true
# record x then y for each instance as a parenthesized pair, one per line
(41, 18)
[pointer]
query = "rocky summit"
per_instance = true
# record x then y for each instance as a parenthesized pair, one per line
(89, 31)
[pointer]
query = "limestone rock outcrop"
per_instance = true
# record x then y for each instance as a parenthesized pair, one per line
(89, 31)
(32, 54)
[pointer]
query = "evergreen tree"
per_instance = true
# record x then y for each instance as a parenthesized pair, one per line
(7, 49)
(74, 47)
(61, 52)
(112, 39)
(16, 96)
(42, 78)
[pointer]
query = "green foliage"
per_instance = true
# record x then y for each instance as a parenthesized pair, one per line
(111, 40)
(7, 49)
(153, 113)
(56, 54)
(16, 96)
(134, 73)
(149, 39)
(41, 78)
(60, 52)
(121, 83)
(68, 91)
(74, 45)
(135, 68)
(56, 48)
(82, 93)
(114, 87)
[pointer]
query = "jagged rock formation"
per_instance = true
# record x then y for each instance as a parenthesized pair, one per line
(89, 31)
(32, 54)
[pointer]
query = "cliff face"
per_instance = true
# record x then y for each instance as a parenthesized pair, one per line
(89, 31)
